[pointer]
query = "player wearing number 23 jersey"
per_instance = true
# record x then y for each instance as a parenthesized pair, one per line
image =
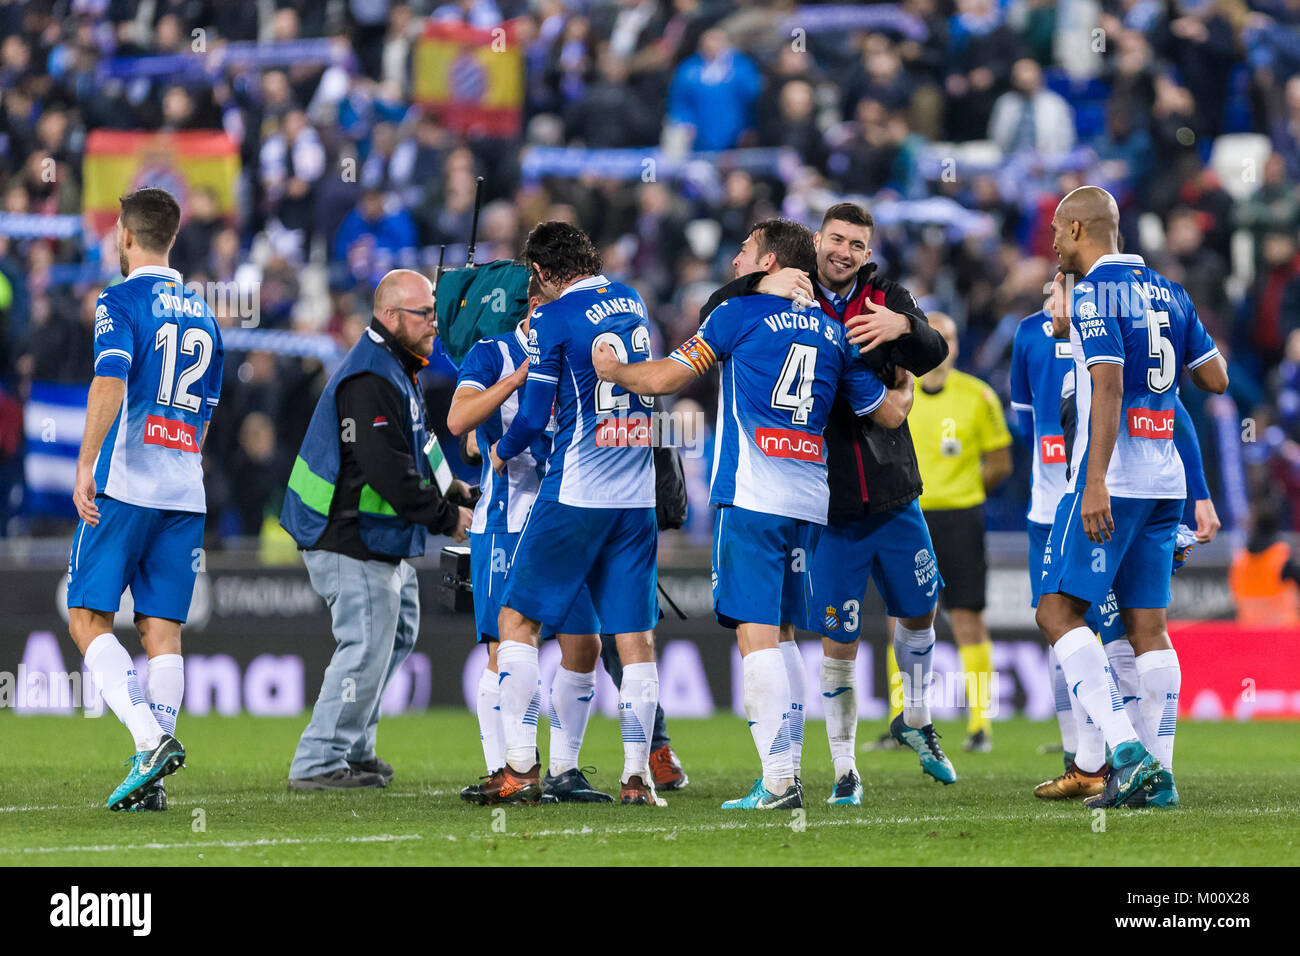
(1126, 314)
(781, 368)
(594, 520)
(163, 341)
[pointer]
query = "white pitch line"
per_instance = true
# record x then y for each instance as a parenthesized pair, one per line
(225, 844)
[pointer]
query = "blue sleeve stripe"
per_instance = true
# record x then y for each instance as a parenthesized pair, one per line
(1022, 407)
(1109, 359)
(544, 378)
(470, 383)
(1204, 358)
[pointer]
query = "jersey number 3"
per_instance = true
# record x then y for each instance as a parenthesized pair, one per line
(196, 342)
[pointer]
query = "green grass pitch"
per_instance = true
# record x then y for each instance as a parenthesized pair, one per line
(1239, 783)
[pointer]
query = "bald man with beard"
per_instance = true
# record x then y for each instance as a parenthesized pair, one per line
(361, 500)
(1131, 334)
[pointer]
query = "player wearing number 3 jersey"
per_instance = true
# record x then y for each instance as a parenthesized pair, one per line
(782, 367)
(139, 485)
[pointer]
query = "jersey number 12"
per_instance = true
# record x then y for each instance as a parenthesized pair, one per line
(173, 391)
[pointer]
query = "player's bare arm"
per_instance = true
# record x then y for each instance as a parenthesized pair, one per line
(102, 405)
(1211, 376)
(995, 468)
(471, 407)
(658, 377)
(1107, 400)
(893, 410)
(1207, 521)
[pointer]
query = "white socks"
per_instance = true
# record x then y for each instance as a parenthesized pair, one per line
(166, 689)
(1124, 667)
(114, 672)
(1064, 713)
(798, 679)
(840, 704)
(571, 698)
(520, 702)
(1090, 752)
(1161, 678)
(914, 651)
(1090, 680)
(638, 698)
(489, 721)
(767, 696)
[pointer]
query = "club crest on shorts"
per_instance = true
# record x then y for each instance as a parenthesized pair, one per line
(925, 569)
(832, 619)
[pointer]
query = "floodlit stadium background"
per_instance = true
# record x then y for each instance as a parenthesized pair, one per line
(314, 149)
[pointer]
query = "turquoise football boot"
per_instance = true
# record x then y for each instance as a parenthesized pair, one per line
(146, 767)
(925, 742)
(1160, 793)
(847, 791)
(1132, 771)
(759, 798)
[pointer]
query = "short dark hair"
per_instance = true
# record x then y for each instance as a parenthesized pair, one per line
(154, 216)
(851, 213)
(561, 250)
(791, 243)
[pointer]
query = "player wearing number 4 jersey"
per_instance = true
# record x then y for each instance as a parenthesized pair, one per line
(782, 366)
(1131, 331)
(139, 486)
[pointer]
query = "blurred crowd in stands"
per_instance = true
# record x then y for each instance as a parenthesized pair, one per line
(960, 125)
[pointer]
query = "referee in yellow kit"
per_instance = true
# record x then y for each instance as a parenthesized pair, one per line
(963, 449)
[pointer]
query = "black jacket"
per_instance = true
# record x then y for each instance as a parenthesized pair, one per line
(870, 468)
(380, 456)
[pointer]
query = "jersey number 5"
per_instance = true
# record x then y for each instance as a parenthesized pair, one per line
(605, 399)
(1160, 378)
(195, 342)
(794, 386)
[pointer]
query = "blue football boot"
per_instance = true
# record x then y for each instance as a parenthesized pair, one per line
(1133, 769)
(847, 791)
(925, 742)
(146, 767)
(759, 798)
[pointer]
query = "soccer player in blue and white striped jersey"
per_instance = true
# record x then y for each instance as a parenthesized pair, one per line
(139, 486)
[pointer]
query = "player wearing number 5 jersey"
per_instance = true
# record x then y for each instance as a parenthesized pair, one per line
(1131, 332)
(593, 522)
(782, 367)
(139, 486)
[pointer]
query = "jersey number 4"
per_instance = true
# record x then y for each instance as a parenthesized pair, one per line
(196, 342)
(793, 391)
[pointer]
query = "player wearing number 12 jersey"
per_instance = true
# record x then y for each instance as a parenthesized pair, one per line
(782, 367)
(139, 486)
(1131, 332)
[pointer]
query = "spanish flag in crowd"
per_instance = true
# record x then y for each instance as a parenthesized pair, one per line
(471, 79)
(118, 162)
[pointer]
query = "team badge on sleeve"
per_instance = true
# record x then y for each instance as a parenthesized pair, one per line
(696, 353)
